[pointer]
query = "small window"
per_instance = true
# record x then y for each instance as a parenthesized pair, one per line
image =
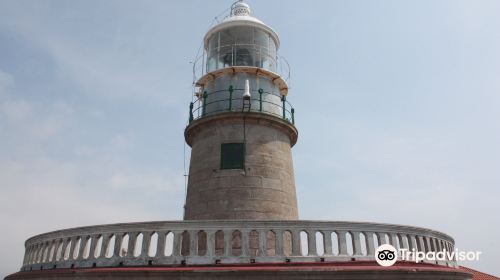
(232, 156)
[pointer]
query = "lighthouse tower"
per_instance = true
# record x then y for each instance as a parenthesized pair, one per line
(241, 207)
(241, 127)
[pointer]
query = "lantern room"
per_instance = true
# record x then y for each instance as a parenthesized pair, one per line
(241, 65)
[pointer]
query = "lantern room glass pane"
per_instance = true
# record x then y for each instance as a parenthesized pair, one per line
(241, 46)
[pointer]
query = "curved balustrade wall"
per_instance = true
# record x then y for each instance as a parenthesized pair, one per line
(212, 242)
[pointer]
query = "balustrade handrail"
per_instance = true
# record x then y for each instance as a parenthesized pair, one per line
(223, 241)
(198, 109)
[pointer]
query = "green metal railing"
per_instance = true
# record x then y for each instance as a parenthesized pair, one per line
(231, 100)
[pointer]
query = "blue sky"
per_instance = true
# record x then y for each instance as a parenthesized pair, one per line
(397, 105)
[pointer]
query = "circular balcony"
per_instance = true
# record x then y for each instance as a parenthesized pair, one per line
(177, 243)
(232, 100)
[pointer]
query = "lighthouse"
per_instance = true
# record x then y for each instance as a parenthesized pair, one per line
(240, 217)
(241, 126)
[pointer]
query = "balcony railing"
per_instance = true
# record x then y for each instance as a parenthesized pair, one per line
(220, 242)
(231, 100)
(257, 57)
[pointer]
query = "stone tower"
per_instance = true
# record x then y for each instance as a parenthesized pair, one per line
(241, 127)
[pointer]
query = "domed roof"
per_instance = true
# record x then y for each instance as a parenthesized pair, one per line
(241, 16)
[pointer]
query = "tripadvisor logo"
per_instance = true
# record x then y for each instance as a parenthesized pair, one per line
(386, 255)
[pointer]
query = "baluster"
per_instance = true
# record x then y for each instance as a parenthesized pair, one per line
(104, 247)
(356, 243)
(37, 253)
(45, 245)
(405, 242)
(46, 253)
(93, 244)
(393, 240)
(296, 248)
(30, 251)
(83, 244)
(342, 243)
(26, 255)
(44, 249)
(132, 238)
(245, 246)
(311, 243)
(34, 254)
(56, 246)
(193, 239)
(160, 248)
(417, 243)
(412, 242)
(176, 250)
(72, 247)
(327, 240)
(228, 246)
(427, 244)
(31, 256)
(40, 253)
(422, 244)
(210, 243)
(370, 244)
(65, 242)
(146, 242)
(381, 238)
(118, 245)
(452, 248)
(401, 242)
(279, 242)
(434, 244)
(262, 242)
(49, 249)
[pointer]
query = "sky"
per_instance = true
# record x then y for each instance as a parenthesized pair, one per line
(397, 105)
